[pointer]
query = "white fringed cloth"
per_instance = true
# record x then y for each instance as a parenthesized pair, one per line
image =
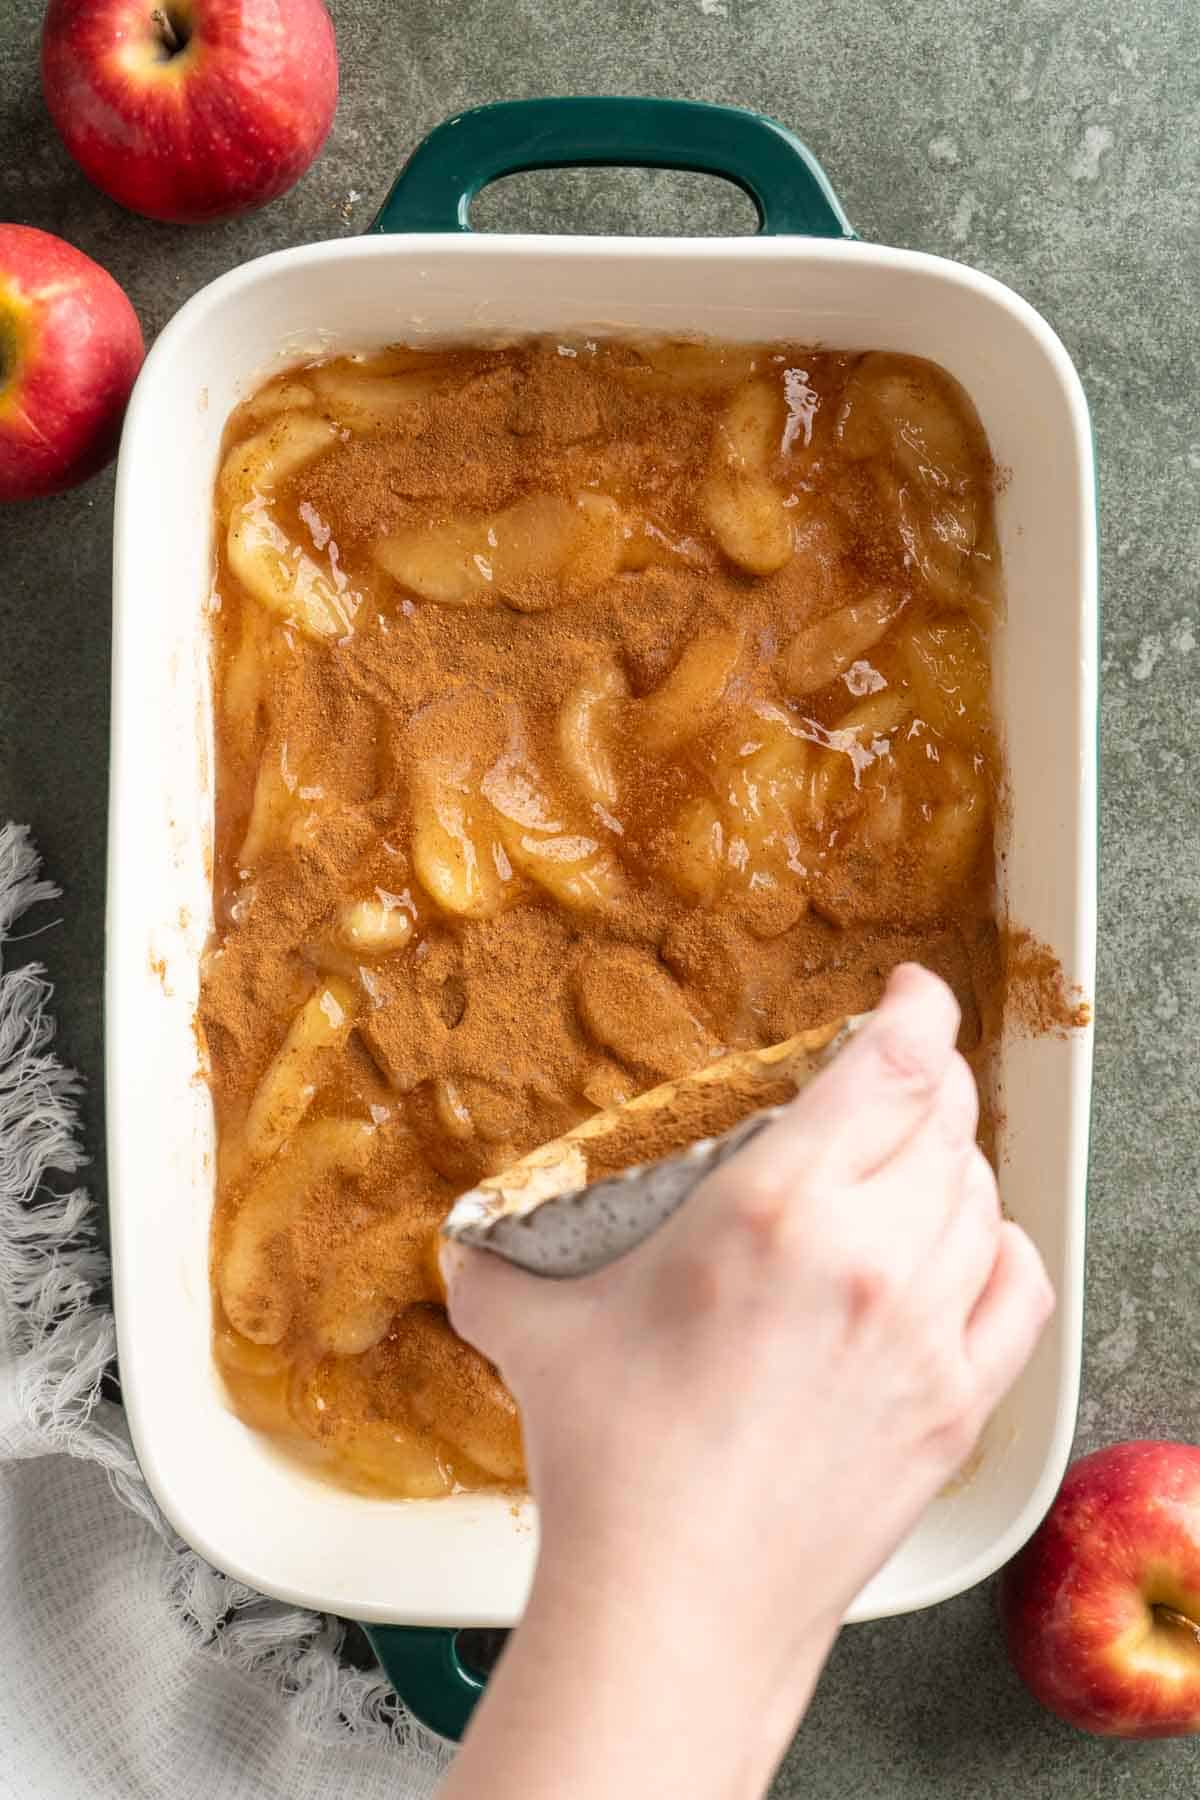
(130, 1669)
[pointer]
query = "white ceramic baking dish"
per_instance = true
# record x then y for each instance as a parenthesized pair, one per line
(467, 1560)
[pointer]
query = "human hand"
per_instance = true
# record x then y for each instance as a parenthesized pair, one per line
(743, 1417)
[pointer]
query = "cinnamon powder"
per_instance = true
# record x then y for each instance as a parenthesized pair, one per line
(1037, 999)
(693, 1113)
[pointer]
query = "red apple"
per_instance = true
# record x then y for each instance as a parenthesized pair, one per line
(70, 350)
(1101, 1608)
(194, 109)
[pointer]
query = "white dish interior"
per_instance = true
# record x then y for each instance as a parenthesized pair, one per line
(468, 1559)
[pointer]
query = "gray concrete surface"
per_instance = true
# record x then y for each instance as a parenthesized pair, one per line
(1051, 144)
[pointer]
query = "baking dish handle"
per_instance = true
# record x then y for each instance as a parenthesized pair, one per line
(789, 188)
(424, 1667)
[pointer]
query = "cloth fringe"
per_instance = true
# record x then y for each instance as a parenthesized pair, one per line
(58, 1336)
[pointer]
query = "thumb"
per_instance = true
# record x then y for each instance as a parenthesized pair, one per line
(492, 1303)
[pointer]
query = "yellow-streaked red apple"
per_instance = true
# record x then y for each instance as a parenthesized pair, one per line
(190, 110)
(1101, 1609)
(70, 350)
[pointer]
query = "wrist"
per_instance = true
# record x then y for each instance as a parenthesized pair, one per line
(707, 1605)
(683, 1658)
(632, 1679)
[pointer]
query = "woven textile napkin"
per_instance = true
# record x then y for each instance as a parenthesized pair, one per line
(130, 1669)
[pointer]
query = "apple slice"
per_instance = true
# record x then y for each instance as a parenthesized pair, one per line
(539, 551)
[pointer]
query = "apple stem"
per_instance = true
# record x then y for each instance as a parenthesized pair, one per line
(166, 30)
(1169, 1616)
